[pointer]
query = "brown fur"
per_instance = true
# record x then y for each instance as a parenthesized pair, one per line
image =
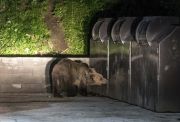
(69, 77)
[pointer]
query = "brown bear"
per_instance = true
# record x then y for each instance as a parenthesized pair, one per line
(72, 77)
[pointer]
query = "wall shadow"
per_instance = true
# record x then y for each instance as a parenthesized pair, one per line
(48, 71)
(50, 65)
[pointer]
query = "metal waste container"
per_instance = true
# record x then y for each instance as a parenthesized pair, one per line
(140, 56)
(154, 84)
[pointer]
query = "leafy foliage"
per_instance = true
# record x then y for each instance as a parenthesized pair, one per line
(23, 31)
(22, 28)
(76, 16)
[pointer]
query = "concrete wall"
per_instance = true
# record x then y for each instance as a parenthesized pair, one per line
(23, 74)
(27, 74)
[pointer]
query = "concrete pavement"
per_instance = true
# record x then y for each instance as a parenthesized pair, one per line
(80, 109)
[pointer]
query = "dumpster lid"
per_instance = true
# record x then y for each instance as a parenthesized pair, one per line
(141, 30)
(115, 32)
(95, 30)
(160, 27)
(125, 30)
(105, 29)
